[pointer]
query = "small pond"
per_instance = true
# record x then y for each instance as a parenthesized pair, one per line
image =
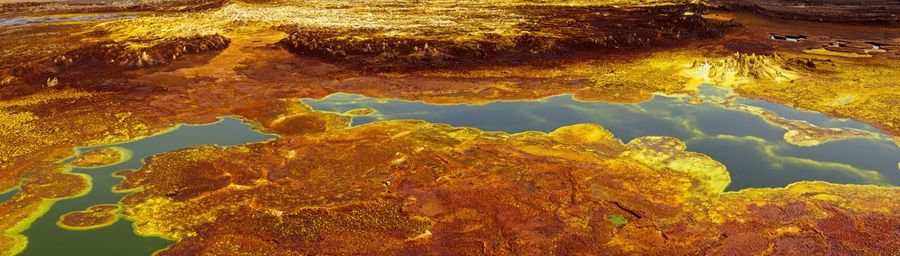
(754, 150)
(46, 238)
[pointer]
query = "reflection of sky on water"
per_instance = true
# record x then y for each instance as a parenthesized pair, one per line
(46, 238)
(754, 151)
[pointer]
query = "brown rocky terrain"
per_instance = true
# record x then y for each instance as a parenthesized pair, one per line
(877, 11)
(420, 188)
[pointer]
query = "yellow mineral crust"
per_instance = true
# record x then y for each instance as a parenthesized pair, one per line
(869, 81)
(740, 69)
(586, 134)
(360, 112)
(102, 157)
(629, 78)
(35, 198)
(37, 139)
(96, 216)
(458, 17)
(415, 187)
(669, 153)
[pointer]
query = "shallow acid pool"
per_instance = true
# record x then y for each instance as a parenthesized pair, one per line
(753, 150)
(46, 238)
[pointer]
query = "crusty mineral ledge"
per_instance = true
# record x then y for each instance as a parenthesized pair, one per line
(799, 132)
(96, 216)
(108, 58)
(551, 31)
(102, 157)
(417, 188)
(34, 198)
